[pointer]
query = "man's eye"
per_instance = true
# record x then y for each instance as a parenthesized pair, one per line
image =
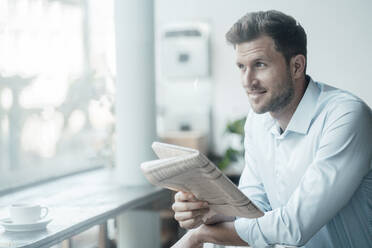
(260, 64)
(241, 66)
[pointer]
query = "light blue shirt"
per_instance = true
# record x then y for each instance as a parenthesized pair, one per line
(314, 180)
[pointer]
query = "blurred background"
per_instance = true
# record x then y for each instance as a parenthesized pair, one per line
(59, 66)
(57, 72)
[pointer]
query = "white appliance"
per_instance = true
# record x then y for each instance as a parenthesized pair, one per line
(185, 51)
(183, 78)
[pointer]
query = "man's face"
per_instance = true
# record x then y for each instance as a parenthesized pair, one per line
(265, 75)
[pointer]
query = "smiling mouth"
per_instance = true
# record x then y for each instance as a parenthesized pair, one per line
(256, 93)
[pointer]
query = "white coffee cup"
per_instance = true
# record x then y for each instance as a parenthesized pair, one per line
(23, 213)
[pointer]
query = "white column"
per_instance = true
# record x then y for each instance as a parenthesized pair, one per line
(135, 100)
(135, 114)
(134, 235)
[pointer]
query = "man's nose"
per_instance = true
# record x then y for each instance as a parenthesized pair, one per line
(248, 79)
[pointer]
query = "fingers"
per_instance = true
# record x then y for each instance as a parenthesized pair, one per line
(191, 223)
(189, 211)
(183, 216)
(184, 196)
(188, 206)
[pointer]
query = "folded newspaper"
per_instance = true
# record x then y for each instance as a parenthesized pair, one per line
(184, 169)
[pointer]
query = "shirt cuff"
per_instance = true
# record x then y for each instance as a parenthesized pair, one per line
(249, 230)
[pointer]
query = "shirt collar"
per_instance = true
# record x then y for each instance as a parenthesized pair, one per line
(301, 119)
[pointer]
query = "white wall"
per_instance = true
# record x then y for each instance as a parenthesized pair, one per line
(339, 45)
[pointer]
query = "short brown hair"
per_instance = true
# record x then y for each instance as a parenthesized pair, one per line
(288, 35)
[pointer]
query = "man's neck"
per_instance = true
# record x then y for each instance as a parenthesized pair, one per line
(284, 115)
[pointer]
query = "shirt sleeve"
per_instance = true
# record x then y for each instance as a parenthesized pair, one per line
(342, 160)
(250, 182)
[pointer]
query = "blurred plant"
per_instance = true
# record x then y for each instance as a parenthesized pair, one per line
(233, 154)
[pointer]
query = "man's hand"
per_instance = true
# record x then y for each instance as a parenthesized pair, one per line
(189, 211)
(222, 233)
(189, 240)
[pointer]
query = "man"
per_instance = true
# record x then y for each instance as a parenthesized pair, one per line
(307, 150)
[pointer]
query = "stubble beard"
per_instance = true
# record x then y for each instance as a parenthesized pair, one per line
(280, 101)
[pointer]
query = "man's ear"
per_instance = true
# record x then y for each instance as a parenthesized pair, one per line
(298, 64)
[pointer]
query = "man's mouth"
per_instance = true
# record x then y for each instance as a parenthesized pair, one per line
(256, 92)
(256, 95)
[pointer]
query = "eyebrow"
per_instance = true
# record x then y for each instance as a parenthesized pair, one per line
(262, 58)
(238, 62)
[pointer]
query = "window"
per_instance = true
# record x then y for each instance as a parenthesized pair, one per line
(57, 70)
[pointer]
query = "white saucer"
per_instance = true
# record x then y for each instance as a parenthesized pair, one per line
(13, 227)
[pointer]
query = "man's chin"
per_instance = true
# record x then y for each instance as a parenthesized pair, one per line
(258, 109)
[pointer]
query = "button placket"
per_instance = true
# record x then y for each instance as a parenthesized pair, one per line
(277, 162)
(278, 179)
